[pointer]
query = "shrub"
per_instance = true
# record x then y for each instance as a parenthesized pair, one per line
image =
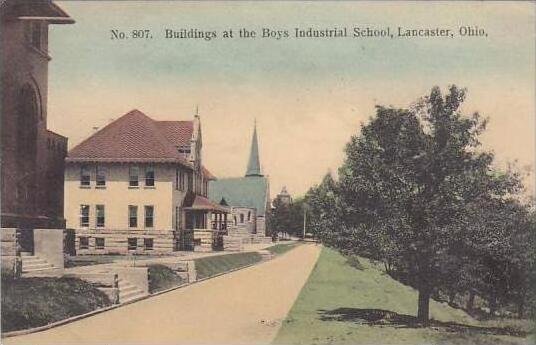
(162, 277)
(33, 302)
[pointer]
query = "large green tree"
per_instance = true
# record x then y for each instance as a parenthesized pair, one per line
(409, 185)
(323, 211)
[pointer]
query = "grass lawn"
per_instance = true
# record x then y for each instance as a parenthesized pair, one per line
(348, 303)
(212, 265)
(281, 248)
(162, 277)
(33, 302)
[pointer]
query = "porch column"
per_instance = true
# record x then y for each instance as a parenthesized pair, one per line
(208, 218)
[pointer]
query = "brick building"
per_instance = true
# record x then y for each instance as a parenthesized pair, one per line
(32, 155)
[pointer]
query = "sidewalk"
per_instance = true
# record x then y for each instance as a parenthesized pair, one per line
(244, 307)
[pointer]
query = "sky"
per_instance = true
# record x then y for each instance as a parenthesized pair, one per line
(308, 96)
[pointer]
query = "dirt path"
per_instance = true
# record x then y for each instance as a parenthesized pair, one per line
(244, 307)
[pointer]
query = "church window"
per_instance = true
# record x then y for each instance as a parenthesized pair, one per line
(36, 35)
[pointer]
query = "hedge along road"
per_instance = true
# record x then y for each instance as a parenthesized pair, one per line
(243, 307)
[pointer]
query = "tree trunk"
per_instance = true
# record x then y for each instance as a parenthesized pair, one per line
(470, 302)
(521, 309)
(492, 305)
(452, 296)
(423, 312)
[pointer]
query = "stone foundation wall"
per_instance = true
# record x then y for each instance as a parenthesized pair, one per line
(203, 240)
(10, 261)
(48, 245)
(116, 242)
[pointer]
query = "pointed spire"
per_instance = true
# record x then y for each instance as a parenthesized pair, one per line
(254, 166)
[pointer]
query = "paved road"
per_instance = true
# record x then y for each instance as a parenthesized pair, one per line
(244, 307)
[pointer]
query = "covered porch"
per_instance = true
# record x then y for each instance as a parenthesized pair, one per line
(205, 225)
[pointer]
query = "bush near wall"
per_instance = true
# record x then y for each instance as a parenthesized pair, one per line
(212, 265)
(162, 277)
(34, 302)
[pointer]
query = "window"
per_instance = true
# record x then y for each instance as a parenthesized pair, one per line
(133, 216)
(85, 176)
(148, 243)
(249, 216)
(100, 216)
(83, 243)
(36, 30)
(134, 173)
(190, 181)
(132, 243)
(241, 218)
(149, 216)
(101, 176)
(99, 243)
(177, 178)
(184, 149)
(177, 218)
(149, 177)
(180, 183)
(84, 215)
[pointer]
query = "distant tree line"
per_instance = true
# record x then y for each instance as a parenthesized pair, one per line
(287, 219)
(418, 193)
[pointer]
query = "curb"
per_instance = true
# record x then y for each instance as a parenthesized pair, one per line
(60, 322)
(98, 311)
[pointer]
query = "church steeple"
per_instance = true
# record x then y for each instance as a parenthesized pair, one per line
(254, 166)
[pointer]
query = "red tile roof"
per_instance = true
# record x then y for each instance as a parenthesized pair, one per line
(202, 203)
(208, 175)
(135, 137)
(177, 132)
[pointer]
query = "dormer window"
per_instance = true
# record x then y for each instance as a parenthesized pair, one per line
(185, 149)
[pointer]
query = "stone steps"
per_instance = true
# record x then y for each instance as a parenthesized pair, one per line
(129, 292)
(32, 264)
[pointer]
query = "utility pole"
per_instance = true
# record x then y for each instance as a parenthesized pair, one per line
(304, 221)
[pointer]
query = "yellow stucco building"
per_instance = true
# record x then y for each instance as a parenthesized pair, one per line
(139, 186)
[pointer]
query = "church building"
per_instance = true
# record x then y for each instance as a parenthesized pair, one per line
(248, 197)
(31, 154)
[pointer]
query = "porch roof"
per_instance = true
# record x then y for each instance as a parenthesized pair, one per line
(201, 203)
